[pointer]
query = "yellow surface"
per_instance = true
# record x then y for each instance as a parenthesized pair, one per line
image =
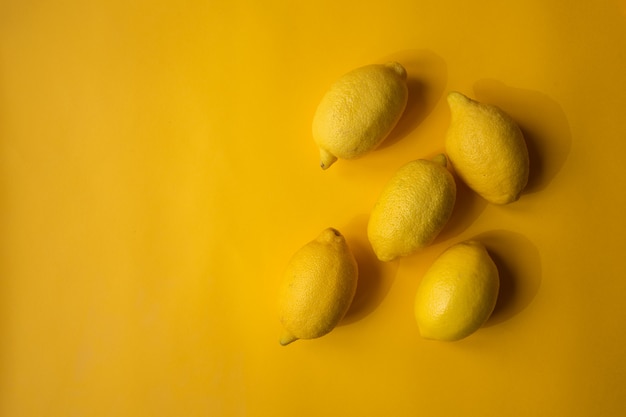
(158, 171)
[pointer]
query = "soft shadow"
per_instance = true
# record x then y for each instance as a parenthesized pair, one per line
(427, 76)
(519, 267)
(467, 207)
(543, 123)
(375, 277)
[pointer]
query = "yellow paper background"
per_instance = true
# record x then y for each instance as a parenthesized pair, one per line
(158, 171)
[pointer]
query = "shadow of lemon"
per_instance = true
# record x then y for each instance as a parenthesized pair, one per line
(427, 76)
(543, 123)
(467, 208)
(519, 268)
(375, 276)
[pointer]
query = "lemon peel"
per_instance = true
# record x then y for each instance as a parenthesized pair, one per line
(412, 209)
(458, 293)
(318, 287)
(359, 110)
(487, 149)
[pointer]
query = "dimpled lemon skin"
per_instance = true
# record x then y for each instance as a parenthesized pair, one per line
(359, 110)
(458, 293)
(487, 149)
(318, 287)
(412, 209)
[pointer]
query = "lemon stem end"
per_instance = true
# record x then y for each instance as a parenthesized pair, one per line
(398, 69)
(441, 159)
(287, 338)
(456, 99)
(326, 159)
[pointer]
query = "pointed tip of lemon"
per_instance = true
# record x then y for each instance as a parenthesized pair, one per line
(441, 159)
(387, 258)
(436, 335)
(504, 199)
(456, 98)
(287, 338)
(398, 69)
(330, 233)
(424, 334)
(326, 159)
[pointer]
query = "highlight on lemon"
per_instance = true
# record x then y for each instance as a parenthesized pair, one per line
(458, 293)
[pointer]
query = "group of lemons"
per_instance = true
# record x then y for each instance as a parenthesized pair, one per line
(459, 291)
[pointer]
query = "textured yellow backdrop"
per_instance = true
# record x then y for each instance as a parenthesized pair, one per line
(158, 171)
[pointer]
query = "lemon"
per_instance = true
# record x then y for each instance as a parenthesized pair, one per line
(318, 287)
(487, 149)
(458, 293)
(359, 110)
(412, 209)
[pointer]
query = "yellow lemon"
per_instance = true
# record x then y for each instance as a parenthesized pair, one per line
(412, 209)
(458, 293)
(318, 287)
(359, 111)
(487, 149)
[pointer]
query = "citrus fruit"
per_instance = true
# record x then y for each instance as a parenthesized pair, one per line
(412, 209)
(458, 293)
(359, 110)
(318, 287)
(487, 149)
